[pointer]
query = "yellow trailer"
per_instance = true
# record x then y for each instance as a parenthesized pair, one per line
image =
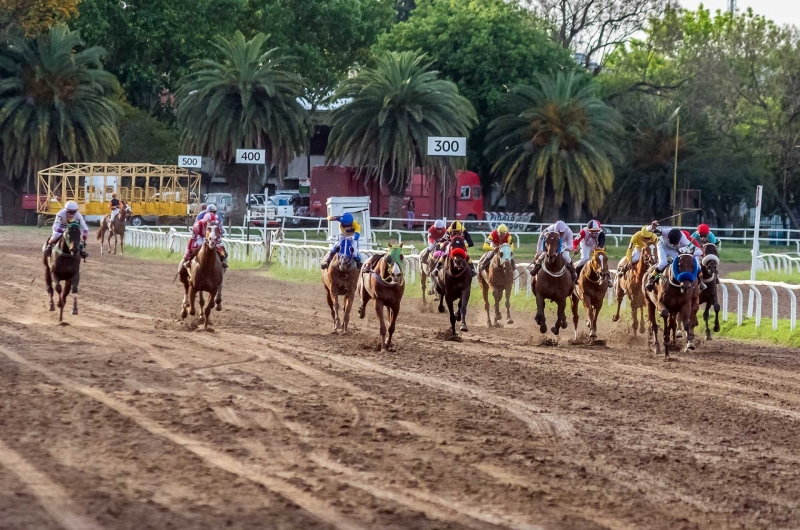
(166, 193)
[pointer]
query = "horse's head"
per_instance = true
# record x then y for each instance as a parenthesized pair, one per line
(394, 259)
(72, 237)
(710, 260)
(684, 271)
(347, 254)
(212, 235)
(504, 256)
(599, 264)
(552, 247)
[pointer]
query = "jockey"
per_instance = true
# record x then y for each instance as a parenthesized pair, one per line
(641, 239)
(493, 242)
(589, 239)
(199, 234)
(114, 205)
(213, 209)
(693, 240)
(69, 214)
(456, 229)
(436, 233)
(566, 236)
(705, 235)
(349, 228)
(670, 244)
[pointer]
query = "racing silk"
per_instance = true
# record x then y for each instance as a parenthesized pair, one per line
(220, 217)
(466, 235)
(666, 251)
(567, 239)
(349, 231)
(638, 242)
(435, 234)
(495, 240)
(207, 217)
(60, 224)
(589, 239)
(692, 239)
(711, 237)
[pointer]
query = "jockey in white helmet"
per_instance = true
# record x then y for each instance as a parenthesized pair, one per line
(69, 214)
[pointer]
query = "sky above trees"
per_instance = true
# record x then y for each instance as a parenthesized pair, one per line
(779, 11)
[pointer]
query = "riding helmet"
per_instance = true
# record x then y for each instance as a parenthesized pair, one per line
(346, 219)
(456, 226)
(703, 229)
(439, 224)
(502, 229)
(211, 208)
(646, 233)
(561, 227)
(71, 206)
(593, 226)
(674, 237)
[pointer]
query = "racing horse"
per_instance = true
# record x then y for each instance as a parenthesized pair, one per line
(553, 282)
(381, 279)
(708, 296)
(500, 279)
(675, 300)
(64, 265)
(204, 275)
(340, 279)
(453, 282)
(591, 290)
(630, 283)
(426, 261)
(115, 229)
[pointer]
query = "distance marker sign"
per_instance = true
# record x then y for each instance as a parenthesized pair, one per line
(447, 146)
(250, 156)
(190, 161)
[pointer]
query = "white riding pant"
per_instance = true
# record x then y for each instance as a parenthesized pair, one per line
(586, 253)
(114, 213)
(665, 252)
(636, 256)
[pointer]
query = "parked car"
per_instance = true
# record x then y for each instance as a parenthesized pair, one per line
(223, 202)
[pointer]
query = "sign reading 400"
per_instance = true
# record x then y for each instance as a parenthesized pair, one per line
(250, 156)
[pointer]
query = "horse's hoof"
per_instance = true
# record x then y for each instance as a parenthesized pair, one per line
(183, 313)
(542, 328)
(192, 312)
(218, 307)
(716, 328)
(708, 337)
(441, 309)
(458, 317)
(679, 334)
(362, 311)
(641, 329)
(588, 324)
(75, 311)
(690, 346)
(555, 330)
(564, 325)
(59, 304)
(592, 335)
(52, 306)
(464, 327)
(615, 318)
(509, 321)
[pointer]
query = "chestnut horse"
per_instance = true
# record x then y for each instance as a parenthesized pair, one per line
(205, 275)
(591, 290)
(630, 283)
(64, 265)
(115, 229)
(500, 279)
(381, 279)
(553, 282)
(708, 296)
(454, 282)
(674, 298)
(340, 279)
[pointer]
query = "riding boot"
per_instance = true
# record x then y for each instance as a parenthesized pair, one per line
(578, 270)
(83, 252)
(472, 269)
(47, 249)
(651, 283)
(572, 271)
(326, 261)
(537, 266)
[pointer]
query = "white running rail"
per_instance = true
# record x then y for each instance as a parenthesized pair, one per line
(174, 241)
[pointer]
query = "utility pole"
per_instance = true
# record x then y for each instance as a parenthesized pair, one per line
(732, 7)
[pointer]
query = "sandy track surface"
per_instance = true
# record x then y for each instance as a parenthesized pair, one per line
(129, 418)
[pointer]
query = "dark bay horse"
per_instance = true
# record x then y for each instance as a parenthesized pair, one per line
(115, 229)
(454, 282)
(630, 284)
(708, 296)
(205, 275)
(674, 300)
(591, 289)
(553, 282)
(381, 279)
(340, 279)
(500, 279)
(64, 265)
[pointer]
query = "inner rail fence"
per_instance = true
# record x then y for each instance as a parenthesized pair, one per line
(308, 256)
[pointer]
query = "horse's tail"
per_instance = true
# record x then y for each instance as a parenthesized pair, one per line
(100, 232)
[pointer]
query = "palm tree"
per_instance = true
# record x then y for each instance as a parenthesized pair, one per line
(391, 110)
(246, 100)
(556, 138)
(55, 103)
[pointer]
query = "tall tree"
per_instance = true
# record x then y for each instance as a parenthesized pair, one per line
(391, 110)
(484, 47)
(557, 138)
(34, 16)
(248, 99)
(57, 104)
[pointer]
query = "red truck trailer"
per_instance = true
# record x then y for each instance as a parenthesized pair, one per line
(464, 198)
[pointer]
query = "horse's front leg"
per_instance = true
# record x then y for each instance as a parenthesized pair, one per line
(337, 321)
(192, 294)
(653, 321)
(706, 311)
(63, 296)
(348, 306)
(122, 244)
(574, 301)
(463, 302)
(561, 318)
(423, 281)
(592, 312)
(392, 322)
(509, 320)
(540, 318)
(207, 309)
(452, 316)
(48, 281)
(667, 325)
(382, 323)
(485, 294)
(329, 298)
(185, 302)
(688, 327)
(620, 294)
(716, 311)
(498, 296)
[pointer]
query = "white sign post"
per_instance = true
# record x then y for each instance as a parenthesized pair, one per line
(190, 161)
(446, 146)
(251, 157)
(754, 262)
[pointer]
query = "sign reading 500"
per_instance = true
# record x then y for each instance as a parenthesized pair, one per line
(250, 156)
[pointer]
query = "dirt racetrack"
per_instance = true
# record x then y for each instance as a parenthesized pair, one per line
(128, 418)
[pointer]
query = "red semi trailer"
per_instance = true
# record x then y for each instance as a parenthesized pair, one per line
(464, 199)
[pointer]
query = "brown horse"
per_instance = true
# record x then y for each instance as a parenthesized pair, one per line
(64, 265)
(675, 300)
(454, 282)
(205, 275)
(500, 279)
(340, 279)
(115, 229)
(592, 288)
(381, 279)
(708, 296)
(630, 283)
(553, 282)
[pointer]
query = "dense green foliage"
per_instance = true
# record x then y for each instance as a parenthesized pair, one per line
(391, 110)
(144, 138)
